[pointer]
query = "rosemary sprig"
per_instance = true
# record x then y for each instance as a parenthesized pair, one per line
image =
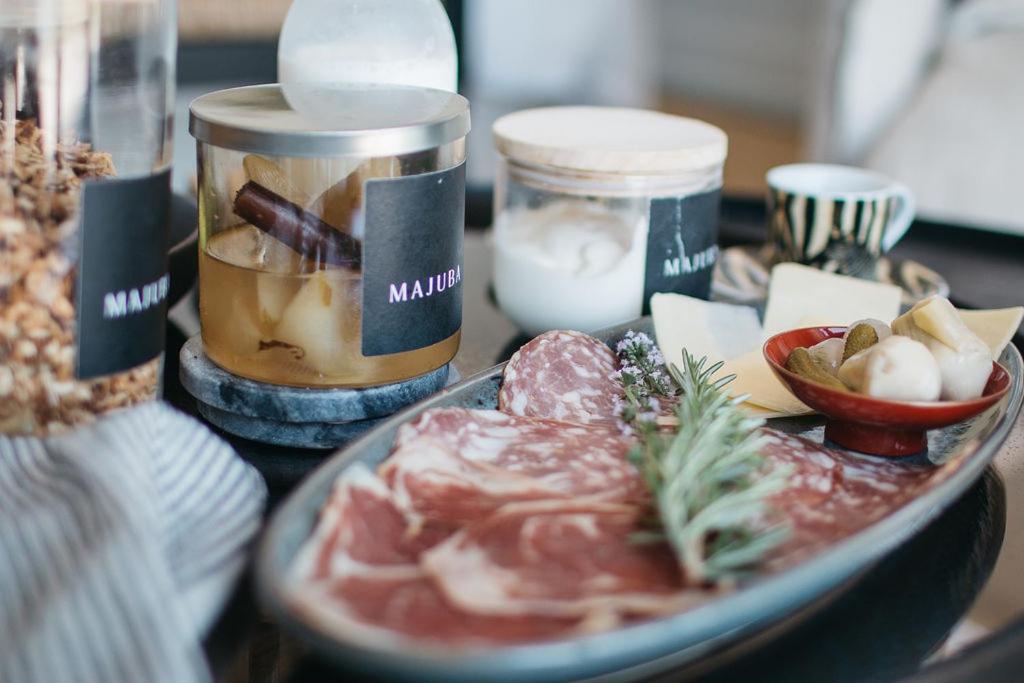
(707, 476)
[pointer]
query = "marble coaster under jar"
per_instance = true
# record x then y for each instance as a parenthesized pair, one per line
(294, 416)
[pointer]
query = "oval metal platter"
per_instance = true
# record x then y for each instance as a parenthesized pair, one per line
(960, 452)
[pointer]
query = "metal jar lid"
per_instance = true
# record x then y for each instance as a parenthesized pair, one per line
(365, 120)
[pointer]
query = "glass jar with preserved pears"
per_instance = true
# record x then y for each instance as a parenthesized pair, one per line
(330, 231)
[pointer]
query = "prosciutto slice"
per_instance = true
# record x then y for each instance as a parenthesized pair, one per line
(564, 376)
(362, 531)
(359, 575)
(376, 609)
(456, 465)
(558, 559)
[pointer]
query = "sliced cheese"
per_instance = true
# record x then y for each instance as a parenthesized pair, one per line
(761, 413)
(716, 330)
(799, 293)
(937, 317)
(755, 377)
(996, 327)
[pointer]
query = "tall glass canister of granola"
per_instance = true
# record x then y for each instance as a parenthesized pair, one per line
(86, 94)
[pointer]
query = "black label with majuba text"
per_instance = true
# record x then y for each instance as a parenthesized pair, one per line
(412, 261)
(682, 245)
(122, 284)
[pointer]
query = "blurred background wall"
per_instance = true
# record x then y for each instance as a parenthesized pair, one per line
(928, 91)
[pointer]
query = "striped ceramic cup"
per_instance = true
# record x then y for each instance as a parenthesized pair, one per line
(838, 218)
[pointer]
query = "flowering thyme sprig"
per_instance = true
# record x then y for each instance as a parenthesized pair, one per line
(706, 476)
(643, 378)
(643, 365)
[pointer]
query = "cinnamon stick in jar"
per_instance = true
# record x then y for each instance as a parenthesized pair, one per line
(299, 229)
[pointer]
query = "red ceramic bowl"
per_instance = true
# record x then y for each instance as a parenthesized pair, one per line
(873, 425)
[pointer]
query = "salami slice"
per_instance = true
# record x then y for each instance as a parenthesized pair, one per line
(558, 559)
(816, 474)
(833, 494)
(872, 488)
(565, 376)
(456, 465)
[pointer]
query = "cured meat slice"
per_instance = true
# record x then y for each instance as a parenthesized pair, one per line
(833, 494)
(358, 576)
(816, 477)
(561, 559)
(456, 465)
(361, 530)
(565, 376)
(816, 472)
(378, 609)
(871, 489)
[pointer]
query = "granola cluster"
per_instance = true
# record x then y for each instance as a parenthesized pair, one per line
(39, 200)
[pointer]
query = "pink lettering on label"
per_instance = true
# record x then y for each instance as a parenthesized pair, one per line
(396, 294)
(399, 292)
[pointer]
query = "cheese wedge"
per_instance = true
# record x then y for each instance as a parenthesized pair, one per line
(755, 377)
(996, 327)
(937, 317)
(798, 294)
(761, 413)
(963, 368)
(716, 330)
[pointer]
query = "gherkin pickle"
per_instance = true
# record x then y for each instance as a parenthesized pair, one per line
(861, 337)
(802, 363)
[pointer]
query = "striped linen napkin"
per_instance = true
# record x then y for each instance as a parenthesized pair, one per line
(119, 544)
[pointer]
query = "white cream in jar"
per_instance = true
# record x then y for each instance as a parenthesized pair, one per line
(571, 264)
(598, 208)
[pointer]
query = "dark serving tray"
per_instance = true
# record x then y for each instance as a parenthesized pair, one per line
(650, 648)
